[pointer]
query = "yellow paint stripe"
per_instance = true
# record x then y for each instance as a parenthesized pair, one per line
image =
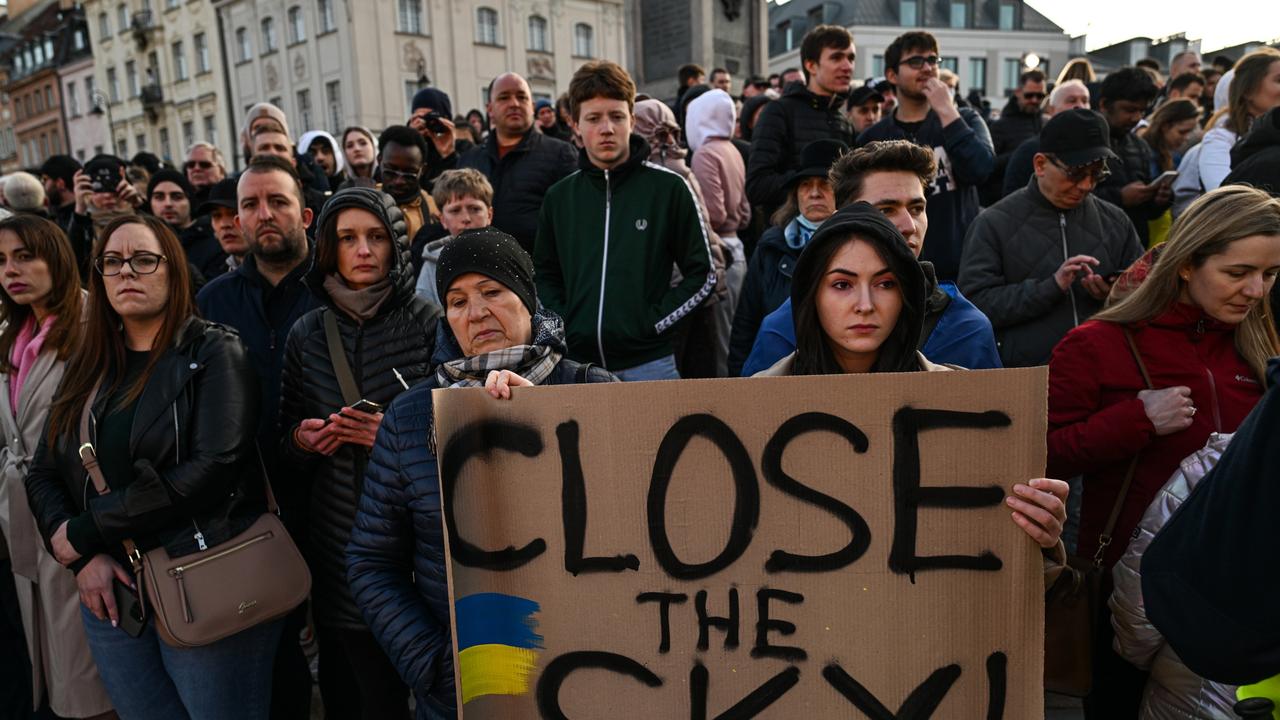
(495, 670)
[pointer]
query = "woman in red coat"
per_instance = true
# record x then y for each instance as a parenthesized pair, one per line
(1204, 332)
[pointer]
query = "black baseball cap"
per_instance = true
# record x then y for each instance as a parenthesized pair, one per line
(1077, 137)
(879, 83)
(222, 194)
(861, 95)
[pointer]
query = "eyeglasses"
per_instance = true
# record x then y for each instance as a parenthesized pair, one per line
(1033, 96)
(143, 263)
(388, 172)
(1078, 173)
(201, 164)
(918, 61)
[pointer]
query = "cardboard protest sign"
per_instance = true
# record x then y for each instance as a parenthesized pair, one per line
(796, 547)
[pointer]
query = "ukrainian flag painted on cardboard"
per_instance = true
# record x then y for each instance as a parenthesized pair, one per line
(497, 644)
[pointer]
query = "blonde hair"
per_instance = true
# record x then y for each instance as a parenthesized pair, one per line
(1209, 225)
(467, 182)
(1078, 69)
(1251, 72)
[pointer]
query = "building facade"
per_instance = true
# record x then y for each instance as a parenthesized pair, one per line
(330, 64)
(84, 115)
(159, 71)
(729, 34)
(44, 38)
(1126, 53)
(987, 43)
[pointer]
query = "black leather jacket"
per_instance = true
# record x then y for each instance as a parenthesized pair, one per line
(196, 463)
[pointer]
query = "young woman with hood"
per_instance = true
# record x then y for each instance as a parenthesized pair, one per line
(858, 297)
(722, 176)
(387, 335)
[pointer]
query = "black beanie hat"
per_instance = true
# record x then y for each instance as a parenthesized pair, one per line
(492, 253)
(174, 177)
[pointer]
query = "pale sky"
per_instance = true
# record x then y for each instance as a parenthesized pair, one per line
(1218, 23)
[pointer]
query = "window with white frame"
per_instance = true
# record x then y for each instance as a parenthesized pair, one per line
(584, 44)
(73, 100)
(113, 85)
(180, 62)
(269, 41)
(131, 78)
(244, 51)
(188, 133)
(122, 17)
(210, 129)
(166, 151)
(297, 25)
(104, 25)
(409, 16)
(202, 53)
(487, 26)
(333, 98)
(304, 108)
(325, 8)
(538, 34)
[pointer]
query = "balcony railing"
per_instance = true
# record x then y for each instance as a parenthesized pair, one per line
(152, 95)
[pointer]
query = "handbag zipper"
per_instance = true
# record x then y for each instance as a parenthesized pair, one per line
(178, 572)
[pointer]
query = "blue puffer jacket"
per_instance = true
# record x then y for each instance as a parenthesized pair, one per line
(395, 559)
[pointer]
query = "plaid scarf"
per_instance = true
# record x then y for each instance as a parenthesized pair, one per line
(533, 362)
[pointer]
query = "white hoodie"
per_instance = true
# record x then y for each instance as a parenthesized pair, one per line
(304, 147)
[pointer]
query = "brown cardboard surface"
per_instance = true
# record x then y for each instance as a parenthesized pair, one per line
(939, 637)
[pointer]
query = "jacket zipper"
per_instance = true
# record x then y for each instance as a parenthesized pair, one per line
(604, 267)
(1071, 292)
(177, 459)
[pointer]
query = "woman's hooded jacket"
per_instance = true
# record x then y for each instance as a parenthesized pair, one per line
(399, 337)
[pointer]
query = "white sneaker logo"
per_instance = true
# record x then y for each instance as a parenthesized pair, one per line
(641, 224)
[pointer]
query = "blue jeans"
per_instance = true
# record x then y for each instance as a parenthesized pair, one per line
(660, 369)
(149, 680)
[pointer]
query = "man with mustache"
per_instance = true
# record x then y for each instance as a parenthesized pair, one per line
(520, 163)
(927, 115)
(262, 299)
(806, 112)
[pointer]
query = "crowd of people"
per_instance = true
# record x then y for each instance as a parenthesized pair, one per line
(221, 345)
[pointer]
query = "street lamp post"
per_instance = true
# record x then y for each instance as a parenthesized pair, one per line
(102, 106)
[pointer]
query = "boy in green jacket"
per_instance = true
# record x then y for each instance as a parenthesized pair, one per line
(610, 233)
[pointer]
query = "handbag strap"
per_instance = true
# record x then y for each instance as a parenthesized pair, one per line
(89, 458)
(1104, 540)
(338, 356)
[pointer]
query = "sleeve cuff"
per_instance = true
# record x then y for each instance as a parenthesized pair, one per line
(84, 536)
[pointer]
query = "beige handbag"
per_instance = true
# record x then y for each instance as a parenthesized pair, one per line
(214, 593)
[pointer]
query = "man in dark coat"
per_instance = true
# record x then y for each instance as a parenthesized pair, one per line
(1019, 120)
(1041, 261)
(804, 113)
(1123, 99)
(520, 163)
(261, 300)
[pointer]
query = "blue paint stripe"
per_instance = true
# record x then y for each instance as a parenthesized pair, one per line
(496, 619)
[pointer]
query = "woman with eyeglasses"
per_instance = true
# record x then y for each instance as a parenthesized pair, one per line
(172, 411)
(1203, 330)
(40, 311)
